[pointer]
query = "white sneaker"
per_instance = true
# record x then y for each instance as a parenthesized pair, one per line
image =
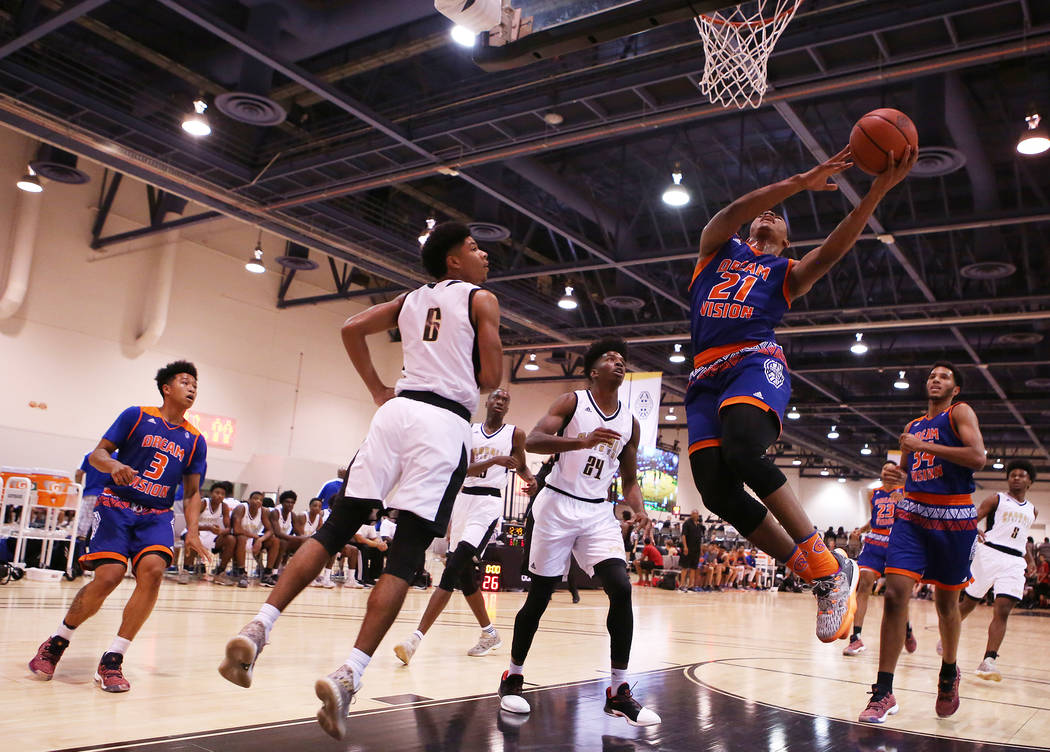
(988, 671)
(318, 581)
(406, 649)
(326, 582)
(336, 692)
(486, 644)
(353, 584)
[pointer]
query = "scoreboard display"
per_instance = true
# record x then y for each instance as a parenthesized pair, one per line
(490, 574)
(514, 533)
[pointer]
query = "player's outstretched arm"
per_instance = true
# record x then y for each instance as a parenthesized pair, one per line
(726, 222)
(485, 315)
(376, 319)
(819, 261)
(632, 492)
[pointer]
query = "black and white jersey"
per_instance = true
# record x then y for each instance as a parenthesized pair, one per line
(485, 446)
(439, 342)
(1009, 524)
(588, 473)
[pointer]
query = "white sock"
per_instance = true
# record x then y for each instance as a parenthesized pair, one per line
(418, 635)
(64, 631)
(515, 668)
(619, 676)
(119, 645)
(358, 661)
(490, 630)
(268, 616)
(327, 573)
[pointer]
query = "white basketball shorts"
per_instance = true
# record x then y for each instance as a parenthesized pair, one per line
(994, 569)
(473, 518)
(564, 526)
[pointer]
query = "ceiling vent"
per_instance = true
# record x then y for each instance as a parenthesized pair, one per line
(1019, 338)
(488, 232)
(935, 161)
(985, 270)
(297, 257)
(57, 165)
(249, 108)
(624, 302)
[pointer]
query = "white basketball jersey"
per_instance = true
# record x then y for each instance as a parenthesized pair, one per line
(439, 342)
(209, 517)
(253, 525)
(1010, 522)
(484, 447)
(309, 528)
(285, 524)
(588, 473)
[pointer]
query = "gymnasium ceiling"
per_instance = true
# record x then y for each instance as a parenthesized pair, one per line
(388, 122)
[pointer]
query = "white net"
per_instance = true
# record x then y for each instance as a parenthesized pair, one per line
(737, 45)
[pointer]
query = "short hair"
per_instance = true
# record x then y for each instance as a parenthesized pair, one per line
(957, 376)
(317, 500)
(225, 485)
(442, 240)
(173, 369)
(599, 348)
(255, 493)
(891, 462)
(268, 502)
(1025, 465)
(288, 495)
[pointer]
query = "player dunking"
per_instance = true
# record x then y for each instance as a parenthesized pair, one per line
(740, 384)
(591, 435)
(418, 443)
(872, 559)
(133, 518)
(934, 534)
(1003, 561)
(495, 448)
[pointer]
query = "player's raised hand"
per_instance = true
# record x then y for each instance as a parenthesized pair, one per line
(900, 167)
(819, 178)
(599, 436)
(193, 542)
(123, 475)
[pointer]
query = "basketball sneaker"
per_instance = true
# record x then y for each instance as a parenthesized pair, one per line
(947, 695)
(510, 699)
(352, 583)
(623, 705)
(486, 644)
(987, 670)
(405, 649)
(109, 676)
(241, 653)
(836, 599)
(47, 655)
(910, 643)
(880, 705)
(336, 692)
(183, 577)
(855, 647)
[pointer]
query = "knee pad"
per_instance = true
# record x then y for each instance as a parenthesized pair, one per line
(408, 549)
(458, 564)
(346, 518)
(723, 492)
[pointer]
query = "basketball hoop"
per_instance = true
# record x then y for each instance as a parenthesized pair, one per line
(737, 45)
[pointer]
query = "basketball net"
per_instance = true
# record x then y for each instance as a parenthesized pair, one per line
(737, 45)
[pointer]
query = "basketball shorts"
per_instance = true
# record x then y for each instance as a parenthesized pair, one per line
(757, 379)
(563, 526)
(415, 453)
(647, 565)
(125, 532)
(208, 538)
(690, 560)
(87, 516)
(933, 543)
(998, 570)
(474, 518)
(873, 555)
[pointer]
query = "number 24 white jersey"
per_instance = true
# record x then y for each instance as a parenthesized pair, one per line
(587, 473)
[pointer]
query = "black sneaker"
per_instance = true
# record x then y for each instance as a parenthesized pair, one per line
(624, 705)
(510, 698)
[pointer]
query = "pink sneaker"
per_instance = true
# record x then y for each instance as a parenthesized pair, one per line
(878, 708)
(947, 696)
(109, 676)
(855, 647)
(910, 643)
(47, 655)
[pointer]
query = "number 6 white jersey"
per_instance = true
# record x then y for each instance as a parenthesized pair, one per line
(1010, 522)
(586, 474)
(440, 342)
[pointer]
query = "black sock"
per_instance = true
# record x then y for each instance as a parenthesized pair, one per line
(948, 671)
(884, 682)
(987, 654)
(856, 634)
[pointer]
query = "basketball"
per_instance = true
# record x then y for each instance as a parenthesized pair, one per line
(877, 134)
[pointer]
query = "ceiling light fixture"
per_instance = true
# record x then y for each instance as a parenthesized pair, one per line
(677, 356)
(195, 123)
(670, 414)
(531, 364)
(255, 263)
(431, 222)
(833, 433)
(825, 472)
(796, 462)
(568, 302)
(998, 464)
(858, 347)
(793, 413)
(676, 195)
(841, 479)
(463, 36)
(901, 382)
(29, 182)
(1035, 139)
(865, 450)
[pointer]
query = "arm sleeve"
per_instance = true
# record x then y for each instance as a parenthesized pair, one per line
(122, 427)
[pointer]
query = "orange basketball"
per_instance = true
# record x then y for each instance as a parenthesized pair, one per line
(877, 134)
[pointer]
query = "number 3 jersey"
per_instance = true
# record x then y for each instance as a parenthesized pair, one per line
(484, 446)
(160, 454)
(586, 474)
(439, 341)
